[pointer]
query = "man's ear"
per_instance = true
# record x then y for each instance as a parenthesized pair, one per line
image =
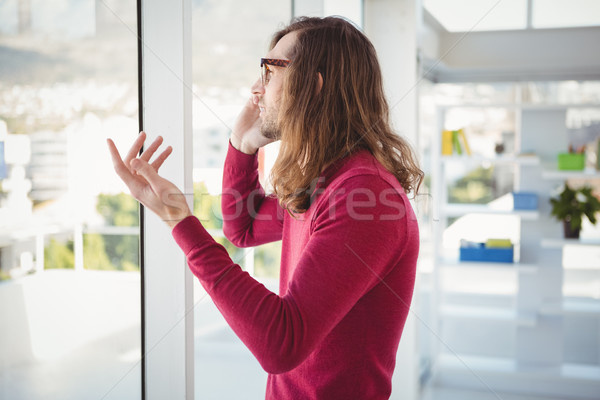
(319, 82)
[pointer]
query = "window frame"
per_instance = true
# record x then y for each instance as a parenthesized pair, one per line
(165, 78)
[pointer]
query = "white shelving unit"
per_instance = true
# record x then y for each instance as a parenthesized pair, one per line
(514, 340)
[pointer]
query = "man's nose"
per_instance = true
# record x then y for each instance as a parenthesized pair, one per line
(258, 87)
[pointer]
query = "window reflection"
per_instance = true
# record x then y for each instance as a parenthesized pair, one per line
(69, 266)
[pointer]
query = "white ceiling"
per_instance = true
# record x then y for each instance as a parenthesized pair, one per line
(485, 15)
(487, 40)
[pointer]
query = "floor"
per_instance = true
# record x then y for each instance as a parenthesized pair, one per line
(33, 366)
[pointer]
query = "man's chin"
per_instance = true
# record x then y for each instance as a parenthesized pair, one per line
(271, 134)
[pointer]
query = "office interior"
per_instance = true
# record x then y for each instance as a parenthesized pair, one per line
(499, 98)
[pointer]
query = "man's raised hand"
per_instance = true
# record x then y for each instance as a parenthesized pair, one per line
(246, 136)
(141, 177)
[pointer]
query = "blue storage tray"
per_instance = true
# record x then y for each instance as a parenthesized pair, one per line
(482, 253)
(525, 201)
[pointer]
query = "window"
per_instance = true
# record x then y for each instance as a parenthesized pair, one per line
(69, 236)
(226, 61)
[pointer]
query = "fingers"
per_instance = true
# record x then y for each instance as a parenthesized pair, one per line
(153, 191)
(156, 164)
(121, 169)
(114, 153)
(144, 169)
(135, 148)
(124, 166)
(160, 195)
(158, 185)
(149, 152)
(148, 184)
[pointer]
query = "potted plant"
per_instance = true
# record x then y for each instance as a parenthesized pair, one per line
(571, 205)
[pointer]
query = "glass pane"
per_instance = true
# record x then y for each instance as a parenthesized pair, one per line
(69, 236)
(229, 38)
(478, 15)
(565, 13)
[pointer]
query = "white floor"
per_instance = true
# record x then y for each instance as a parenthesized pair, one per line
(43, 354)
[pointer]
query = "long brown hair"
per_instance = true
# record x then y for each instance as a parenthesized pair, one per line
(348, 113)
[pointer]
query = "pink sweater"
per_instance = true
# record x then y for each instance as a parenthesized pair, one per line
(347, 276)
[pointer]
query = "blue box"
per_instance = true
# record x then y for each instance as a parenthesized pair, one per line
(525, 201)
(482, 253)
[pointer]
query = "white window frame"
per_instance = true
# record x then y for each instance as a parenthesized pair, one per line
(168, 340)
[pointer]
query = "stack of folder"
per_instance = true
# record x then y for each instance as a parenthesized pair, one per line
(455, 142)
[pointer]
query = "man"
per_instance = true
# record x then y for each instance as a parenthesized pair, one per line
(349, 236)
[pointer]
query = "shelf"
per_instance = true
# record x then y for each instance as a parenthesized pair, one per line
(501, 374)
(563, 175)
(510, 366)
(503, 159)
(581, 371)
(527, 300)
(477, 363)
(566, 307)
(458, 210)
(572, 306)
(489, 313)
(550, 243)
(530, 268)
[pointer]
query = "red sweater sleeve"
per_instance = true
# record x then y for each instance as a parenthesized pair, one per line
(349, 252)
(250, 218)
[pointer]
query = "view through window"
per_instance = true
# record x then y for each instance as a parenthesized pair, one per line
(69, 235)
(229, 38)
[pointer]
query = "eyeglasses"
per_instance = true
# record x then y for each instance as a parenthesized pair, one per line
(265, 71)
